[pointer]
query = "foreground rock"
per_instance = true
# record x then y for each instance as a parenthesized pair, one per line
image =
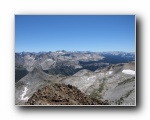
(61, 94)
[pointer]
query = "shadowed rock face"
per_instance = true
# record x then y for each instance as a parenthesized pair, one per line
(60, 94)
(20, 72)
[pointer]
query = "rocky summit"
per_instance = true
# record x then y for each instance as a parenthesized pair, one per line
(61, 94)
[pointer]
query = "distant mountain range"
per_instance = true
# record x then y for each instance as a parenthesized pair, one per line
(67, 63)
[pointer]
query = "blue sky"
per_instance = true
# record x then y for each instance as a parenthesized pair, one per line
(35, 33)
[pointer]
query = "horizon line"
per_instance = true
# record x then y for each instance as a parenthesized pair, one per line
(73, 51)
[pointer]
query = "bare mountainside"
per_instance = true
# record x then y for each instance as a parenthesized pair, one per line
(115, 83)
(108, 78)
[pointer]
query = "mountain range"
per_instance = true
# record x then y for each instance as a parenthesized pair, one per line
(107, 77)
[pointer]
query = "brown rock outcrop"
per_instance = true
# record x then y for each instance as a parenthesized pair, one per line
(61, 94)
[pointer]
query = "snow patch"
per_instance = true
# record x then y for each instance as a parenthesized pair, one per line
(109, 72)
(128, 71)
(24, 93)
(49, 60)
(101, 73)
(60, 52)
(78, 66)
(91, 77)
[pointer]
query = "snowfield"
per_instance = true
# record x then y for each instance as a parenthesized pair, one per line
(24, 93)
(128, 71)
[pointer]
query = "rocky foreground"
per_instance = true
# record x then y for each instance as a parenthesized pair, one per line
(61, 94)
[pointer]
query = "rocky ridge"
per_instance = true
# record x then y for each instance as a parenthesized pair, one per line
(61, 94)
